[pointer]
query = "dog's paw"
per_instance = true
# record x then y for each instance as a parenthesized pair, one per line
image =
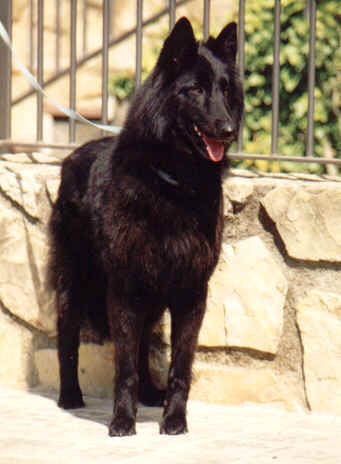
(173, 425)
(71, 400)
(122, 427)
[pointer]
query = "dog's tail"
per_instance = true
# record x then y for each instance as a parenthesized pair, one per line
(54, 266)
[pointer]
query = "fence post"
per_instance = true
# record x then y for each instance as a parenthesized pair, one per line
(311, 77)
(5, 72)
(241, 64)
(276, 78)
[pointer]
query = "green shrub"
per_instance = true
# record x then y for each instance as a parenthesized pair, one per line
(294, 77)
(122, 85)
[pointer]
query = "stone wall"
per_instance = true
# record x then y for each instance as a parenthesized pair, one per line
(272, 332)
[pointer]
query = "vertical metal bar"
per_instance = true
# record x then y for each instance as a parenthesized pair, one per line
(31, 37)
(85, 27)
(311, 78)
(207, 5)
(241, 61)
(58, 34)
(5, 72)
(40, 68)
(111, 23)
(171, 6)
(139, 16)
(276, 79)
(73, 58)
(105, 60)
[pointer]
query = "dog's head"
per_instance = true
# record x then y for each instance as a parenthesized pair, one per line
(206, 97)
(193, 95)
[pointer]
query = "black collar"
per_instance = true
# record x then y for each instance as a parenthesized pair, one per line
(166, 177)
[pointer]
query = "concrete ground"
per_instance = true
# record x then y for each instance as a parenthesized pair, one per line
(33, 430)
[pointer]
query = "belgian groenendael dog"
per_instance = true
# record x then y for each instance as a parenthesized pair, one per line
(138, 221)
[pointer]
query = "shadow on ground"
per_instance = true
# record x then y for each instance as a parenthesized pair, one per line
(99, 410)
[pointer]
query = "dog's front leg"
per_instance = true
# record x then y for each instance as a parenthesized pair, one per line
(125, 325)
(186, 322)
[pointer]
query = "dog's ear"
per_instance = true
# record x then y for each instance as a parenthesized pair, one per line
(225, 45)
(179, 46)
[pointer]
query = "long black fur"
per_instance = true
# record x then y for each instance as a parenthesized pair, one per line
(138, 221)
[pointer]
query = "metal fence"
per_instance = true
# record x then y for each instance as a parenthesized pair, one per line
(36, 60)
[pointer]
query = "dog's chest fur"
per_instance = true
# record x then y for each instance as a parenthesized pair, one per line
(180, 231)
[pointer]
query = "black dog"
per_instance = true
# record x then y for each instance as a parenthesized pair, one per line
(137, 225)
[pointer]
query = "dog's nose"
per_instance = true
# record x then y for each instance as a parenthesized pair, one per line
(226, 128)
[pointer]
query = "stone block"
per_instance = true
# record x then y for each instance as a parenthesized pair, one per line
(96, 369)
(25, 185)
(238, 190)
(23, 255)
(16, 354)
(319, 321)
(236, 385)
(21, 188)
(308, 220)
(24, 209)
(254, 296)
(212, 333)
(245, 303)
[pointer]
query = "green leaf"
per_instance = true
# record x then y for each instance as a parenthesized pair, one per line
(256, 80)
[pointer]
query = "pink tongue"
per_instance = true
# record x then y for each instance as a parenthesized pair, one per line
(215, 148)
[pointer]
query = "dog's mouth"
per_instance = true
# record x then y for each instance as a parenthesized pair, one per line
(215, 148)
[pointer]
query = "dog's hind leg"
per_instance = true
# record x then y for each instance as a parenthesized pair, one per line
(149, 394)
(187, 317)
(69, 319)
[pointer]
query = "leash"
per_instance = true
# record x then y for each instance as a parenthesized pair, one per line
(35, 84)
